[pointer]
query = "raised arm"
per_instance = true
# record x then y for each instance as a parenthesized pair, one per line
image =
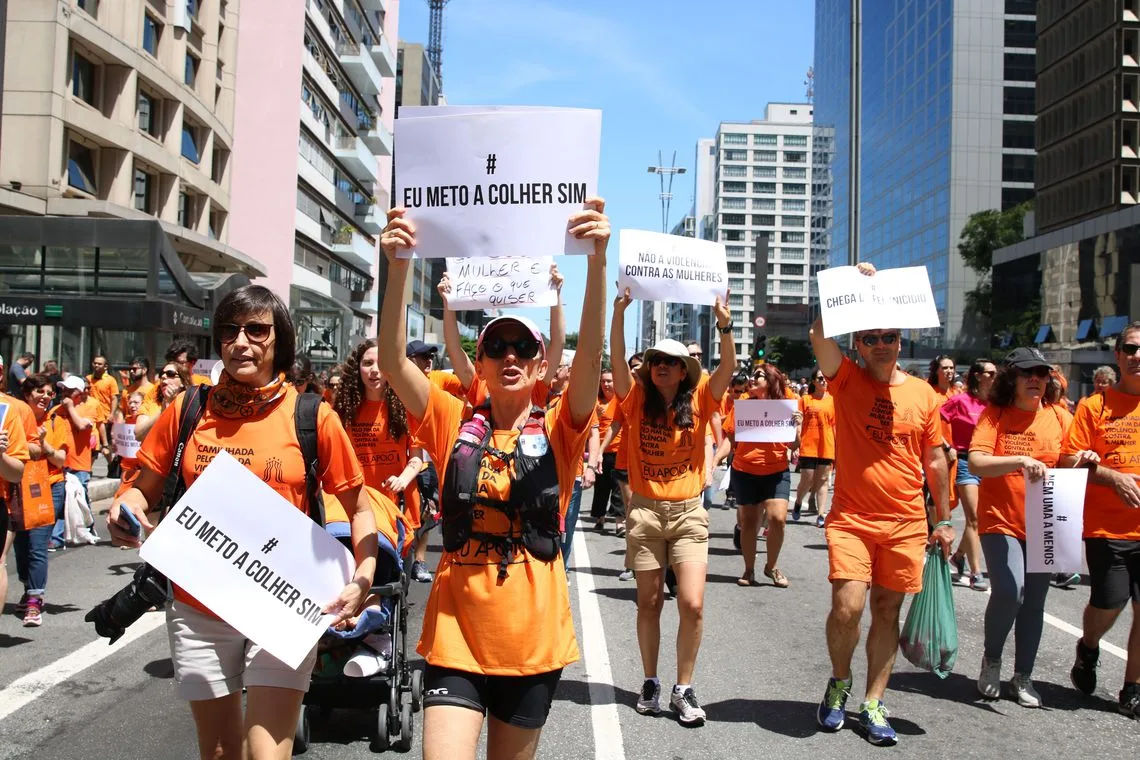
(722, 377)
(410, 384)
(623, 377)
(461, 363)
(590, 224)
(828, 354)
(557, 328)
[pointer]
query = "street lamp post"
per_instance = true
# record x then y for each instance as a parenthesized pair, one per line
(666, 197)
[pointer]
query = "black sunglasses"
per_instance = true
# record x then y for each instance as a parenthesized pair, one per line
(888, 339)
(1130, 349)
(668, 361)
(256, 332)
(169, 373)
(1041, 372)
(524, 347)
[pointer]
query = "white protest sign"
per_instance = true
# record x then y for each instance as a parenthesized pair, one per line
(658, 267)
(500, 283)
(124, 441)
(765, 421)
(1055, 521)
(3, 414)
(251, 557)
(501, 183)
(851, 301)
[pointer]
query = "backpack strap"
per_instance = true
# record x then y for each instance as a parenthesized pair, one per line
(305, 419)
(193, 407)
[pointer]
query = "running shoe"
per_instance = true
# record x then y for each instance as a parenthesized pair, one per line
(819, 521)
(796, 510)
(1129, 703)
(961, 573)
(1083, 672)
(56, 546)
(736, 537)
(1066, 580)
(625, 575)
(22, 604)
(33, 615)
(420, 572)
(1023, 691)
(873, 724)
(688, 709)
(989, 680)
(832, 710)
(979, 583)
(649, 703)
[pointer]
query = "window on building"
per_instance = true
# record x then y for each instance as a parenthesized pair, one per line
(791, 286)
(735, 283)
(187, 209)
(218, 164)
(81, 168)
(90, 7)
(793, 237)
(1018, 134)
(795, 156)
(192, 8)
(771, 269)
(791, 204)
(191, 146)
(795, 172)
(736, 155)
(150, 114)
(734, 187)
(83, 79)
(733, 251)
(145, 186)
(1020, 33)
(793, 221)
(792, 270)
(795, 188)
(764, 204)
(764, 220)
(1019, 101)
(734, 139)
(768, 188)
(764, 172)
(152, 33)
(732, 235)
(734, 171)
(1021, 7)
(793, 254)
(1017, 168)
(732, 219)
(736, 267)
(735, 299)
(1015, 196)
(190, 73)
(763, 139)
(795, 141)
(764, 155)
(1020, 67)
(733, 203)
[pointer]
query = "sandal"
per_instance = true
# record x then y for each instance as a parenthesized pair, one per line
(747, 579)
(779, 580)
(620, 531)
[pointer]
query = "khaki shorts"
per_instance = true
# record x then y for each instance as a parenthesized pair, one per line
(666, 532)
(212, 659)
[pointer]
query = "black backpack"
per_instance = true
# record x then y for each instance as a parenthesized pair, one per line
(305, 418)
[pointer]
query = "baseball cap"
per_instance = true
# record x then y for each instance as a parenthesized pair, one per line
(73, 383)
(1026, 358)
(527, 325)
(418, 347)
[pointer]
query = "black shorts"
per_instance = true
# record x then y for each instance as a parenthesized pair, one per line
(621, 476)
(1114, 572)
(522, 701)
(756, 489)
(810, 463)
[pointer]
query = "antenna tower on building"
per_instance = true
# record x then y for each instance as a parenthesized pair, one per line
(809, 83)
(435, 38)
(666, 194)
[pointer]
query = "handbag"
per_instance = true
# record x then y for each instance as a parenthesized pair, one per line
(30, 502)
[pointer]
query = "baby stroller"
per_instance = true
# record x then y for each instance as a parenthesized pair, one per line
(367, 667)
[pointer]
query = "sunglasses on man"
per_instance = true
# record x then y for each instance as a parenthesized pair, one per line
(525, 347)
(887, 339)
(1130, 349)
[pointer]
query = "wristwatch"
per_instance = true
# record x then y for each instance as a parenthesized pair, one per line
(726, 329)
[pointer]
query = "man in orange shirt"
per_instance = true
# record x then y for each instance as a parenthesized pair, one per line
(1108, 423)
(185, 352)
(888, 434)
(104, 389)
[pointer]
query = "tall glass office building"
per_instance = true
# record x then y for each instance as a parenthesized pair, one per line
(944, 134)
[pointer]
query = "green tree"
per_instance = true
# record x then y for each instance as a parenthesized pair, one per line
(572, 340)
(984, 233)
(789, 355)
(468, 347)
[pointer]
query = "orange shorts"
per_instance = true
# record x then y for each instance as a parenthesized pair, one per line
(881, 551)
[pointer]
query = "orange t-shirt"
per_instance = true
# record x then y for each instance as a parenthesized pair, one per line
(667, 463)
(755, 458)
(36, 483)
(620, 443)
(1009, 432)
(1109, 424)
(475, 622)
(16, 420)
(59, 436)
(104, 390)
(448, 382)
(817, 435)
(611, 415)
(384, 511)
(382, 457)
(605, 416)
(883, 432)
(79, 442)
(265, 443)
(148, 389)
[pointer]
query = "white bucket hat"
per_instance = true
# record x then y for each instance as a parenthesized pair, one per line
(676, 349)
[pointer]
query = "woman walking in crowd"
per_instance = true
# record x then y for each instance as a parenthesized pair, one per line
(1103, 378)
(252, 407)
(817, 447)
(761, 481)
(961, 413)
(172, 380)
(497, 628)
(620, 445)
(604, 484)
(1017, 437)
(666, 414)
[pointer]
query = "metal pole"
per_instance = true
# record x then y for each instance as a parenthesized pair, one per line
(856, 148)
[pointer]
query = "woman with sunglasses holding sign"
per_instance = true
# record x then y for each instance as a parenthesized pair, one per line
(497, 628)
(666, 415)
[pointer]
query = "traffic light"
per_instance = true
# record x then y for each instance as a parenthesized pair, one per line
(761, 350)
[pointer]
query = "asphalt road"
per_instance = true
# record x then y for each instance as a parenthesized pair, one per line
(762, 671)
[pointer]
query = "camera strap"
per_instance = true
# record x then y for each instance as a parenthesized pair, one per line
(193, 407)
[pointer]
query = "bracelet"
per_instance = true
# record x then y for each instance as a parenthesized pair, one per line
(726, 329)
(943, 522)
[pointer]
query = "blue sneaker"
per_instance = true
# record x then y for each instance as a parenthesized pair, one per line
(873, 724)
(831, 712)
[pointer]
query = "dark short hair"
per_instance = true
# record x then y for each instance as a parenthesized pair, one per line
(143, 361)
(26, 355)
(31, 382)
(183, 346)
(974, 376)
(1003, 393)
(258, 299)
(637, 356)
(1132, 327)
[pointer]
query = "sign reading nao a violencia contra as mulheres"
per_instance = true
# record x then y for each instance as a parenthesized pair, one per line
(497, 183)
(658, 267)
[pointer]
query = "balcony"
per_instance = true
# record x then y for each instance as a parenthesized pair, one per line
(375, 135)
(351, 244)
(351, 151)
(360, 67)
(370, 217)
(384, 57)
(365, 301)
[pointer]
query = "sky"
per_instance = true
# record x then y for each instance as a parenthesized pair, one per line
(665, 73)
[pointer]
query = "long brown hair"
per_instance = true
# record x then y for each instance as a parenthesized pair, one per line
(351, 395)
(777, 381)
(655, 411)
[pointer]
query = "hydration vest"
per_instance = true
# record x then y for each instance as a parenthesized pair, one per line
(533, 496)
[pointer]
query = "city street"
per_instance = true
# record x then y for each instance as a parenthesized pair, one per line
(762, 671)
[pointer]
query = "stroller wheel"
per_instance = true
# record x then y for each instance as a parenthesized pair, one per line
(382, 742)
(406, 726)
(301, 734)
(417, 690)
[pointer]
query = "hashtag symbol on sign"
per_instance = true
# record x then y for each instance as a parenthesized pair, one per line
(269, 546)
(491, 163)
(1062, 518)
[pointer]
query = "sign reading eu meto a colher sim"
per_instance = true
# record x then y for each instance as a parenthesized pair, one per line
(850, 300)
(497, 182)
(252, 558)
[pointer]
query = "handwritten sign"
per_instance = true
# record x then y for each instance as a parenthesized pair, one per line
(765, 421)
(252, 558)
(500, 283)
(1054, 521)
(497, 183)
(124, 441)
(851, 301)
(657, 267)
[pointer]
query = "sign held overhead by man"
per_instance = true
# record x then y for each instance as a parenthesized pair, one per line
(659, 267)
(851, 301)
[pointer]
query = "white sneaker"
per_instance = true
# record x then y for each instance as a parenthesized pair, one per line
(1023, 691)
(688, 709)
(989, 681)
(649, 702)
(86, 535)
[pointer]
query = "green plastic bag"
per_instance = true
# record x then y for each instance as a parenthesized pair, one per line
(929, 637)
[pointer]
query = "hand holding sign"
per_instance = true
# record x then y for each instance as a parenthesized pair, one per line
(1054, 521)
(859, 298)
(592, 224)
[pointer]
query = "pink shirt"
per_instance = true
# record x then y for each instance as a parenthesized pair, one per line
(962, 413)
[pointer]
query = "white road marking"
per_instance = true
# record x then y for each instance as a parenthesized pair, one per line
(596, 658)
(32, 686)
(1073, 630)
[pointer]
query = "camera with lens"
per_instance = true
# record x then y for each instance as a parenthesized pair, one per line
(113, 616)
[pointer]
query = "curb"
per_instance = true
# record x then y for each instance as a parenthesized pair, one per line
(99, 489)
